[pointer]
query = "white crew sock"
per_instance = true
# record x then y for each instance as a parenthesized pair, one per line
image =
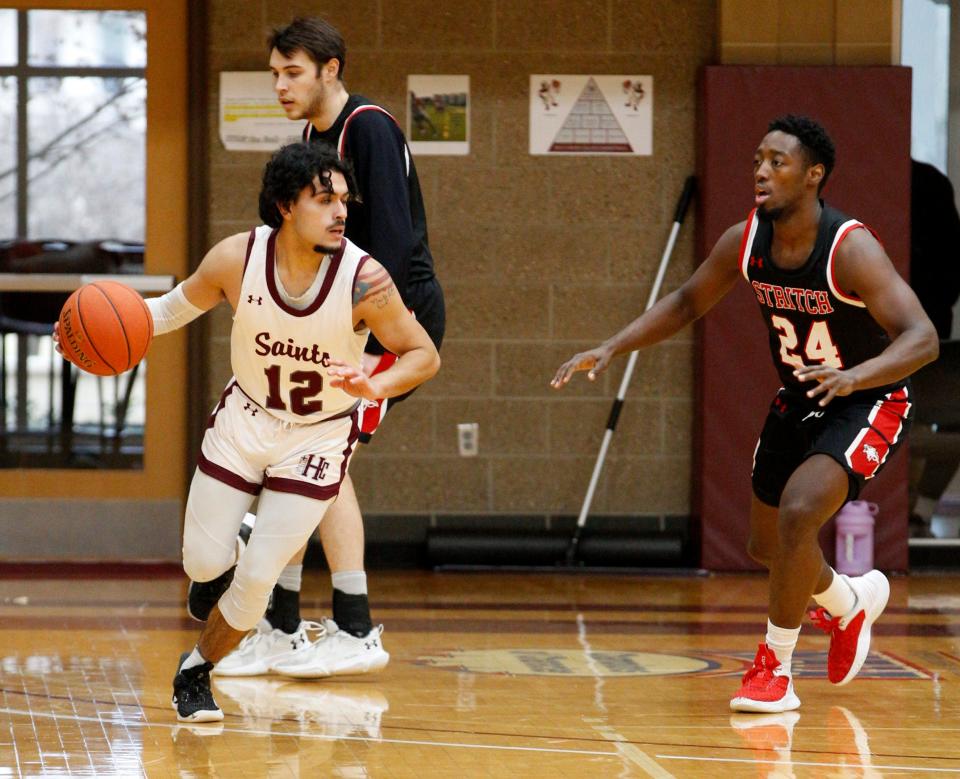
(350, 582)
(782, 641)
(195, 659)
(839, 598)
(291, 577)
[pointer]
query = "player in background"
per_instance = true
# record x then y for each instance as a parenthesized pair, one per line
(845, 332)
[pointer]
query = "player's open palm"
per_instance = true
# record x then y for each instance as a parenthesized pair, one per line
(594, 361)
(353, 380)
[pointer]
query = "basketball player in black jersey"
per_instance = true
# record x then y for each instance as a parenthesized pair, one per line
(845, 333)
(307, 59)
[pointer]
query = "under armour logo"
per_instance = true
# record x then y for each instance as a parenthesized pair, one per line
(370, 644)
(297, 641)
(873, 456)
(251, 298)
(756, 262)
(251, 408)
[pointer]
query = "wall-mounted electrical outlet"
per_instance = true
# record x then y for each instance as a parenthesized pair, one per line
(468, 438)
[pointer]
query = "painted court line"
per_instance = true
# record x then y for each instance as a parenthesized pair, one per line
(215, 730)
(794, 763)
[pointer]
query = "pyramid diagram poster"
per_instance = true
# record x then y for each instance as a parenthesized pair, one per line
(598, 115)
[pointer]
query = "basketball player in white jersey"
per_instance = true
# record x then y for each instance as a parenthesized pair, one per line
(305, 300)
(388, 220)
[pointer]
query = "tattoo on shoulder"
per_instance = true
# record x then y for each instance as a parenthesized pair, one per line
(375, 286)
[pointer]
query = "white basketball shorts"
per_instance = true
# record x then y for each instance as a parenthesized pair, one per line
(249, 449)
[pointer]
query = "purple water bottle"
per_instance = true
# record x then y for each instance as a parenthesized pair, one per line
(855, 537)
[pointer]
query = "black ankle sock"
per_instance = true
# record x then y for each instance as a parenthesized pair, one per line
(283, 613)
(352, 613)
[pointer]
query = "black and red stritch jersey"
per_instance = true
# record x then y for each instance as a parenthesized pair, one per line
(810, 319)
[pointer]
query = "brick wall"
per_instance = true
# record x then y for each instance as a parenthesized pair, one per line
(809, 32)
(539, 256)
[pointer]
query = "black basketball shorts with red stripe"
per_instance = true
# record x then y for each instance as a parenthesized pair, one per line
(860, 432)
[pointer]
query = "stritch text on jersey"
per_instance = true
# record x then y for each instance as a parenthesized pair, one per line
(810, 301)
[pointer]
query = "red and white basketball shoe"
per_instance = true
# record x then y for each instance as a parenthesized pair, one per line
(765, 687)
(850, 634)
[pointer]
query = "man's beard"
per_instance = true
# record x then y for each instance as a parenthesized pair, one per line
(315, 106)
(765, 214)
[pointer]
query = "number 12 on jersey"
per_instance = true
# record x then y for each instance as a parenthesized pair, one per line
(301, 397)
(819, 348)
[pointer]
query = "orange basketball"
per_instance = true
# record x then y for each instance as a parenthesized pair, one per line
(105, 328)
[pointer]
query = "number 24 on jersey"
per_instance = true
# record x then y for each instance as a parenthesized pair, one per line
(818, 349)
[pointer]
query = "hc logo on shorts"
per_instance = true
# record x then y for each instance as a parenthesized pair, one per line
(313, 470)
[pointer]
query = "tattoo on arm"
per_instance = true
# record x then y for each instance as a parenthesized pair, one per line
(376, 286)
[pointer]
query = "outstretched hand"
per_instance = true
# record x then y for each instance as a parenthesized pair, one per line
(832, 382)
(353, 380)
(594, 361)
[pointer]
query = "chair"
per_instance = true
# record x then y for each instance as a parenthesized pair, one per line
(26, 314)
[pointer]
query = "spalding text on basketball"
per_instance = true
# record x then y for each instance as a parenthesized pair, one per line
(74, 341)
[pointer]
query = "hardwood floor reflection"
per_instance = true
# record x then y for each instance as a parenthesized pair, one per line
(491, 675)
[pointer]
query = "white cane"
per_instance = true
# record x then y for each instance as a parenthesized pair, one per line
(679, 214)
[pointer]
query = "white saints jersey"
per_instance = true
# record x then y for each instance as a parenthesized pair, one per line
(279, 353)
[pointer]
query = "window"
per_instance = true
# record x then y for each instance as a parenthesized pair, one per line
(72, 200)
(926, 48)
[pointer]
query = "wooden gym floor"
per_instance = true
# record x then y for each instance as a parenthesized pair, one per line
(510, 675)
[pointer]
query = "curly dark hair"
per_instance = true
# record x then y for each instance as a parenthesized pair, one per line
(315, 37)
(294, 167)
(816, 142)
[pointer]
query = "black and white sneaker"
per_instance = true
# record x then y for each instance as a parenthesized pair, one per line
(203, 596)
(192, 696)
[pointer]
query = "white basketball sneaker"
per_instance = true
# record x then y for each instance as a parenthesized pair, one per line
(263, 647)
(336, 653)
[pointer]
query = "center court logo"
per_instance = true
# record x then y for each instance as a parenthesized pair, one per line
(577, 662)
(569, 662)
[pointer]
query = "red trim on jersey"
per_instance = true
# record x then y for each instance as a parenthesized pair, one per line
(246, 257)
(373, 414)
(342, 140)
(270, 268)
(833, 274)
(746, 233)
(230, 478)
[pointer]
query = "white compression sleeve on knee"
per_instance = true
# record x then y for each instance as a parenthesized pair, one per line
(172, 310)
